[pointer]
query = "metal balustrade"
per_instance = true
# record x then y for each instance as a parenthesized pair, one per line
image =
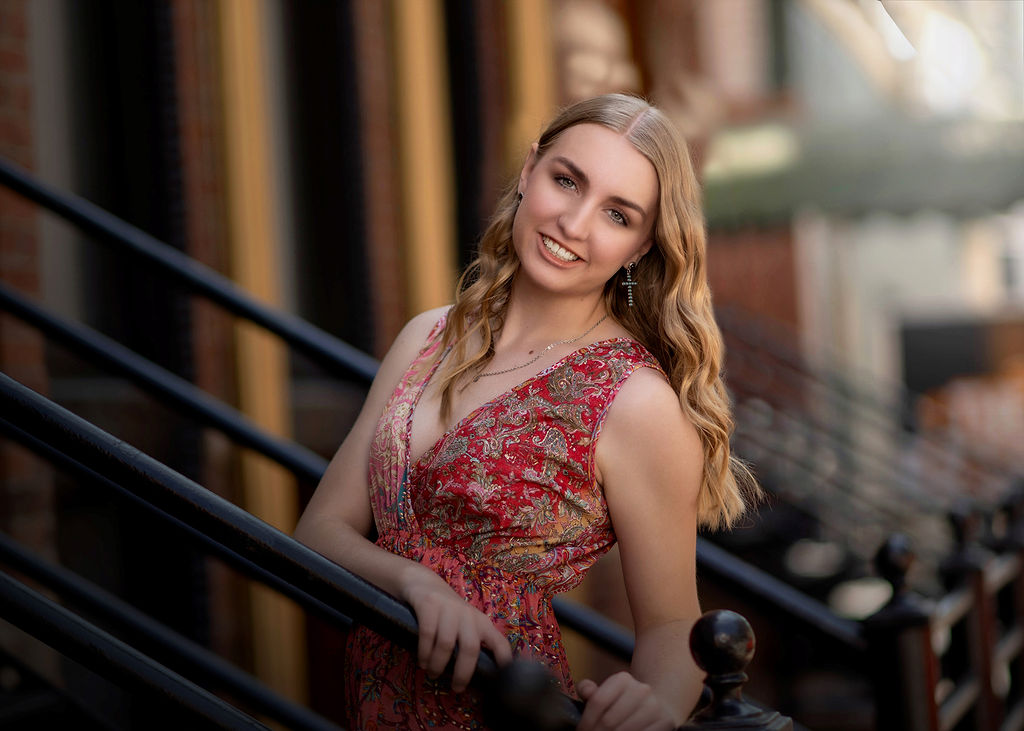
(160, 643)
(294, 565)
(316, 583)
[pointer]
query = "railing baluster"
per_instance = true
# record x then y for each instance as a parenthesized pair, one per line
(901, 656)
(969, 567)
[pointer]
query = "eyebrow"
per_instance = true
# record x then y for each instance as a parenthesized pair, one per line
(582, 176)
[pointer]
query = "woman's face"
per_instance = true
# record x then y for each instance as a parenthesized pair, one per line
(588, 208)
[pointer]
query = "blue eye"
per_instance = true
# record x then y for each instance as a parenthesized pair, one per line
(618, 217)
(566, 182)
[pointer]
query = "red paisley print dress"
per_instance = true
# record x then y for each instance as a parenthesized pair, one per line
(504, 506)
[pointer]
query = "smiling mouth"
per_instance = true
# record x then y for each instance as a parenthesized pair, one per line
(559, 252)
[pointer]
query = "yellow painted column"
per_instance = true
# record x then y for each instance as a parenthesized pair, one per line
(424, 131)
(269, 491)
(531, 75)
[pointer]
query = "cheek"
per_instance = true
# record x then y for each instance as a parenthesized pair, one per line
(626, 247)
(538, 204)
(520, 229)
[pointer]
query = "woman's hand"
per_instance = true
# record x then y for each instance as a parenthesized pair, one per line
(622, 703)
(446, 619)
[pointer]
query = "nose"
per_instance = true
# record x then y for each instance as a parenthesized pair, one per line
(574, 221)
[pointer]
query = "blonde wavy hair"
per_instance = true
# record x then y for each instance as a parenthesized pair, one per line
(672, 314)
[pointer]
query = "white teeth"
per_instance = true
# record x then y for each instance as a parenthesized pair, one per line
(558, 251)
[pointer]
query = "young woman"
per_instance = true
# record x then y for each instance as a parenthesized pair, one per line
(571, 397)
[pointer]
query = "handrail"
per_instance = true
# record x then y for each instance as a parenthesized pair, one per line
(596, 627)
(246, 566)
(827, 429)
(302, 335)
(143, 630)
(72, 636)
(165, 385)
(209, 513)
(587, 622)
(242, 532)
(755, 582)
(190, 399)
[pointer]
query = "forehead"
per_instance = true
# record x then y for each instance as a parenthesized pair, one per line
(609, 160)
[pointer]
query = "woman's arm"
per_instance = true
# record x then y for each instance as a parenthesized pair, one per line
(650, 462)
(339, 518)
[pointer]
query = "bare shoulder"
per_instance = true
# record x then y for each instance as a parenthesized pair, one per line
(406, 346)
(647, 405)
(411, 339)
(645, 426)
(414, 333)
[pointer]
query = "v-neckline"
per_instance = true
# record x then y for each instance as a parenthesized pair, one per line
(412, 464)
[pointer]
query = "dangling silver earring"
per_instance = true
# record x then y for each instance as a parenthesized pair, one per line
(630, 282)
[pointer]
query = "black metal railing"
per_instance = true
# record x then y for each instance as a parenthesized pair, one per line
(831, 402)
(150, 637)
(113, 231)
(304, 575)
(192, 401)
(301, 573)
(79, 640)
(164, 385)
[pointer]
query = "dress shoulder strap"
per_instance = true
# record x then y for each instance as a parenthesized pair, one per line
(437, 329)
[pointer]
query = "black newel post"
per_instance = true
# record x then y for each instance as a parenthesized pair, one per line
(901, 658)
(723, 645)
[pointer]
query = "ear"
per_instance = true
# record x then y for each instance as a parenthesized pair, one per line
(644, 248)
(528, 166)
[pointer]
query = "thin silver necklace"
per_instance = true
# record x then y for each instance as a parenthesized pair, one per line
(537, 357)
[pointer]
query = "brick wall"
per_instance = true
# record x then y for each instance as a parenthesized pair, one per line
(755, 269)
(26, 490)
(27, 496)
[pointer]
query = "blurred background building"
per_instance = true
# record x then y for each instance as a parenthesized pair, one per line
(863, 165)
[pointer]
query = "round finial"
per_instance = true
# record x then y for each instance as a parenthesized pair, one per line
(722, 642)
(894, 559)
